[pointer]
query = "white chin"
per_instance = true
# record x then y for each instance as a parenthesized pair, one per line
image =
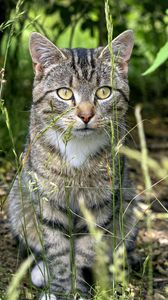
(83, 132)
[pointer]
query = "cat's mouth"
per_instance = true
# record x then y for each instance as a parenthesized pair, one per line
(83, 131)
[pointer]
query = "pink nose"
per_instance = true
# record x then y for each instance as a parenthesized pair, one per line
(86, 118)
(85, 111)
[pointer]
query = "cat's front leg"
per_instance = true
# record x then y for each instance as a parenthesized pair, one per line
(64, 282)
(57, 262)
(84, 259)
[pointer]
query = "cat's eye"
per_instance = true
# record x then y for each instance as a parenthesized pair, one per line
(65, 93)
(103, 92)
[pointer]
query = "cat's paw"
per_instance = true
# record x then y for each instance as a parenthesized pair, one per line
(48, 297)
(39, 275)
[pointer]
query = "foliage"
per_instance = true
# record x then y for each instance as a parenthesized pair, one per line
(76, 23)
(161, 57)
(13, 291)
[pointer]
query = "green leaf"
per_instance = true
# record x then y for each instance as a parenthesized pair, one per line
(145, 265)
(161, 57)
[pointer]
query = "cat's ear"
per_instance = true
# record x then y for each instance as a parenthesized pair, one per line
(122, 48)
(43, 52)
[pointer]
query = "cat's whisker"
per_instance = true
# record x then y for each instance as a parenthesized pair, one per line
(107, 133)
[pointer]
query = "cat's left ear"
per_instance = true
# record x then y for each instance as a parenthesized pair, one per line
(122, 47)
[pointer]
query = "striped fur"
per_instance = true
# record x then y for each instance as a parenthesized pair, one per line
(44, 208)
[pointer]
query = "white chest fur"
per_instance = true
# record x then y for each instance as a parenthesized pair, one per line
(78, 149)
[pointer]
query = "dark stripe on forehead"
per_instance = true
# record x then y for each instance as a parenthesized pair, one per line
(93, 65)
(83, 61)
(73, 63)
(92, 59)
(73, 60)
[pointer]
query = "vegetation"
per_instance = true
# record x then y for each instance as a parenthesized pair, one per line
(84, 23)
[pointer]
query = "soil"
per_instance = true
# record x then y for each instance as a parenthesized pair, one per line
(154, 239)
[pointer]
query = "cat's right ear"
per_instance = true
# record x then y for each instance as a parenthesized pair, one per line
(43, 52)
(122, 47)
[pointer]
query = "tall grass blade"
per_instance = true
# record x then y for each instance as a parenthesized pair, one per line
(13, 291)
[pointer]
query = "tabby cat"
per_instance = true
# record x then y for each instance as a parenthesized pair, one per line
(77, 119)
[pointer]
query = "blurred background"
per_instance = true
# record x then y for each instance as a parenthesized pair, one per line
(78, 23)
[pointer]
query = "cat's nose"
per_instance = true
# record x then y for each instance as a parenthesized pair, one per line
(85, 111)
(86, 118)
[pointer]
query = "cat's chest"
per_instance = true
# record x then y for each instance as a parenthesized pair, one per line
(76, 152)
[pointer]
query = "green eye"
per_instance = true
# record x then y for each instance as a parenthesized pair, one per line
(65, 93)
(103, 92)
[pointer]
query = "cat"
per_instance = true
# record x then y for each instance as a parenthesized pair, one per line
(77, 118)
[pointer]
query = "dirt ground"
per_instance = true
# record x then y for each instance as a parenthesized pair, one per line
(156, 128)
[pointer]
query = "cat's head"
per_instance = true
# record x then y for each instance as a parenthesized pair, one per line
(82, 86)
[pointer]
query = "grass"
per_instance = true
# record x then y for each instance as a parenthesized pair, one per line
(13, 291)
(104, 290)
